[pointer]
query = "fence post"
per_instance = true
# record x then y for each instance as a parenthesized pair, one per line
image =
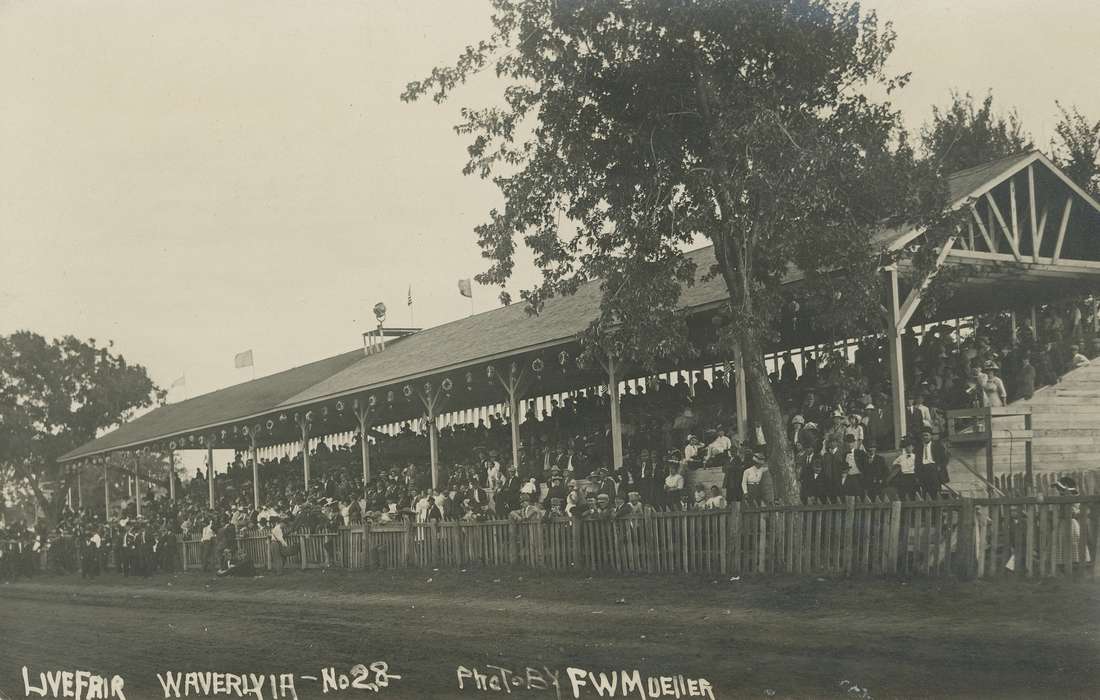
(893, 544)
(576, 542)
(410, 554)
(513, 542)
(968, 543)
(735, 537)
(302, 541)
(650, 531)
(367, 563)
(849, 543)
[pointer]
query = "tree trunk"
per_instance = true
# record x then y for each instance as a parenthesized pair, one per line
(780, 455)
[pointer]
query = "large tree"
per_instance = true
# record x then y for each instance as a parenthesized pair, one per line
(629, 129)
(57, 395)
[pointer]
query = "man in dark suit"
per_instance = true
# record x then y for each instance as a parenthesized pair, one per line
(931, 464)
(873, 467)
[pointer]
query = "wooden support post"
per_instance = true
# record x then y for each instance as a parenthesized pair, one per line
(741, 394)
(513, 542)
(893, 544)
(106, 492)
(849, 534)
(735, 537)
(303, 426)
(1014, 326)
(137, 485)
(172, 475)
(79, 492)
(433, 445)
(616, 417)
(576, 534)
(364, 444)
(513, 408)
(255, 472)
(968, 541)
(210, 473)
(897, 372)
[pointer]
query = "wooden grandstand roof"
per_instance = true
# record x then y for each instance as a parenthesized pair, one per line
(464, 342)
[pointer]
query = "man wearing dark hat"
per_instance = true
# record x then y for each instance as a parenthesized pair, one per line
(931, 464)
(851, 477)
(874, 469)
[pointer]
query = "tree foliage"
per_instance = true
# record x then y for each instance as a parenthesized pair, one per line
(966, 133)
(1076, 148)
(628, 130)
(57, 395)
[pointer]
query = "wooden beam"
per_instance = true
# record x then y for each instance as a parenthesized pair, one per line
(1015, 218)
(1004, 226)
(1042, 231)
(981, 227)
(970, 230)
(913, 300)
(1031, 209)
(1066, 264)
(1062, 229)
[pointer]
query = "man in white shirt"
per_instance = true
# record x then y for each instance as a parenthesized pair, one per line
(903, 473)
(752, 478)
(674, 488)
(719, 445)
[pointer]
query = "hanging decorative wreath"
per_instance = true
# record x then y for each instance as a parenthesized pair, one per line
(282, 418)
(225, 433)
(372, 400)
(172, 445)
(447, 385)
(389, 396)
(244, 431)
(407, 390)
(270, 424)
(256, 429)
(563, 359)
(490, 372)
(469, 381)
(537, 365)
(340, 406)
(309, 416)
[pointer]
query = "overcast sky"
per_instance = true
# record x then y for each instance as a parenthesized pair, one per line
(194, 179)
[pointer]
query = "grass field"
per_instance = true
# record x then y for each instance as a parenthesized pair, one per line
(749, 638)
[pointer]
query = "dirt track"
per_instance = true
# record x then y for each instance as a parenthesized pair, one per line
(796, 637)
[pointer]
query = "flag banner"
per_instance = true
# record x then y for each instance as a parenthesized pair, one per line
(243, 359)
(464, 288)
(182, 381)
(410, 295)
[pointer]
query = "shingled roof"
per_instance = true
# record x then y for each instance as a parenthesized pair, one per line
(216, 408)
(497, 333)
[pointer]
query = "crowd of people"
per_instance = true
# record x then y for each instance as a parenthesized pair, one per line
(839, 422)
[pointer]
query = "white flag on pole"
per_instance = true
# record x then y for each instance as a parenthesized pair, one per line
(243, 359)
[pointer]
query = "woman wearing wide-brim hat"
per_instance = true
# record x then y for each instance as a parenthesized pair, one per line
(995, 394)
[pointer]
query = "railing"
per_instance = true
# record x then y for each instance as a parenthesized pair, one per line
(978, 425)
(967, 538)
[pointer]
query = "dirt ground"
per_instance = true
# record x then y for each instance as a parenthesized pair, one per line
(781, 637)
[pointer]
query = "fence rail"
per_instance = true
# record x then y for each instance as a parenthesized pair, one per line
(1013, 536)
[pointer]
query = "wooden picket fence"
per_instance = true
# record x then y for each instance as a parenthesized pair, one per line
(856, 537)
(1016, 485)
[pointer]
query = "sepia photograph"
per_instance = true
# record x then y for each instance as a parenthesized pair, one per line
(563, 349)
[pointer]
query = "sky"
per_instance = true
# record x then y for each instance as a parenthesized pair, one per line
(196, 179)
